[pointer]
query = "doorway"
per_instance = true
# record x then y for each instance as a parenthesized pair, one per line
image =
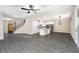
(10, 28)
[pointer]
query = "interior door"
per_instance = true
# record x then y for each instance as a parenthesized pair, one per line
(10, 28)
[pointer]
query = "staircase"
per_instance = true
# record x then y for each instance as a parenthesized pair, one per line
(16, 27)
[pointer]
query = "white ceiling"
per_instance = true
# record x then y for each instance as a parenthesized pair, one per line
(15, 10)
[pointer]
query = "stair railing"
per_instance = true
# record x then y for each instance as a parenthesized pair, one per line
(19, 25)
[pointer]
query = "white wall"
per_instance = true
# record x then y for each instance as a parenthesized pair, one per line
(27, 28)
(64, 27)
(1, 27)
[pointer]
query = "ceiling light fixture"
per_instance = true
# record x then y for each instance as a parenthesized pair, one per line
(59, 20)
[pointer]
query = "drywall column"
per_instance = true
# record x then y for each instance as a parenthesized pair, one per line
(74, 26)
(1, 27)
(5, 26)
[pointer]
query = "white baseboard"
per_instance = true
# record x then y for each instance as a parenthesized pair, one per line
(62, 31)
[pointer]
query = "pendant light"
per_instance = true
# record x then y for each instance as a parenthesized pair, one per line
(59, 20)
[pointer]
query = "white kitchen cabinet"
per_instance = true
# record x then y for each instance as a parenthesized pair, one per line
(44, 31)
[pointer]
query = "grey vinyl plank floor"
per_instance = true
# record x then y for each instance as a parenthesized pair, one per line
(52, 43)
